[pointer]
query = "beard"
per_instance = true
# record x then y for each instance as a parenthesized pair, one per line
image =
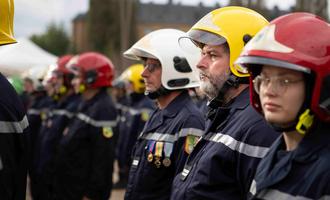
(212, 83)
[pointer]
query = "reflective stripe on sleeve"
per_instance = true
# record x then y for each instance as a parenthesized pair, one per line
(33, 111)
(97, 123)
(241, 147)
(278, 195)
(63, 112)
(166, 137)
(14, 127)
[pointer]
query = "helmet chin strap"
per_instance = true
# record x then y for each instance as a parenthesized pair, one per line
(232, 82)
(162, 91)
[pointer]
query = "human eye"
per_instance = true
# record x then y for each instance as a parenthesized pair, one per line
(284, 81)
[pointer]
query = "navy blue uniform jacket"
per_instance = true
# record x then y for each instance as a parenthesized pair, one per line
(223, 163)
(13, 143)
(84, 162)
(170, 126)
(303, 173)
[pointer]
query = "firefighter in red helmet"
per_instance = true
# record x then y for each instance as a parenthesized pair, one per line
(84, 161)
(289, 63)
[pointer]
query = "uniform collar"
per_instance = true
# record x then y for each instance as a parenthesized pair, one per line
(221, 113)
(272, 169)
(175, 106)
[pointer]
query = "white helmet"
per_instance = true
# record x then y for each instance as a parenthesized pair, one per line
(37, 75)
(178, 68)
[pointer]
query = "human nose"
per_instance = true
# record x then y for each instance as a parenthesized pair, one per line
(202, 64)
(145, 72)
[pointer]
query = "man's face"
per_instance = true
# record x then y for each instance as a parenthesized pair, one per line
(213, 69)
(152, 74)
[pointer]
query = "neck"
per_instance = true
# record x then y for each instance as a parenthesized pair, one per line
(163, 101)
(292, 139)
(234, 92)
(90, 93)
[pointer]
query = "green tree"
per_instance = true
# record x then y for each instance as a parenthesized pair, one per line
(55, 40)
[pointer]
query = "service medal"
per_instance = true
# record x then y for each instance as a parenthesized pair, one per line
(167, 162)
(150, 157)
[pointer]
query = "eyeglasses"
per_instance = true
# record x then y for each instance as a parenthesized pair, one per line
(151, 67)
(278, 84)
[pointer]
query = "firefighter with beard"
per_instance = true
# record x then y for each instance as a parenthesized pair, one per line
(223, 163)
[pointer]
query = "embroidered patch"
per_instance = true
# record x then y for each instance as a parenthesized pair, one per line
(107, 132)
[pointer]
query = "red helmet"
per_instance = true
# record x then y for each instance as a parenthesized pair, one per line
(297, 41)
(97, 70)
(62, 71)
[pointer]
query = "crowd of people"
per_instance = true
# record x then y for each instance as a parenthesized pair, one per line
(235, 108)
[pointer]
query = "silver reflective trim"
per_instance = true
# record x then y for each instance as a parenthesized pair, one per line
(246, 60)
(135, 162)
(278, 195)
(325, 197)
(233, 144)
(63, 112)
(88, 120)
(166, 137)
(32, 111)
(133, 111)
(185, 172)
(253, 187)
(14, 127)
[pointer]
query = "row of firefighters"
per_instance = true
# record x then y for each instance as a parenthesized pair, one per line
(265, 134)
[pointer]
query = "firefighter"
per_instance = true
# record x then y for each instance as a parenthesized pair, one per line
(175, 126)
(133, 117)
(13, 122)
(40, 104)
(289, 62)
(57, 117)
(223, 163)
(84, 160)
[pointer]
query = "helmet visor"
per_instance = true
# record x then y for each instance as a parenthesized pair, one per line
(137, 54)
(246, 60)
(200, 38)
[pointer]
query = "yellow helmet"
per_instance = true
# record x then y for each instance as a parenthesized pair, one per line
(6, 22)
(232, 24)
(133, 75)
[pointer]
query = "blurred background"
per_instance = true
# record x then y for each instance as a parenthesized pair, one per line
(111, 26)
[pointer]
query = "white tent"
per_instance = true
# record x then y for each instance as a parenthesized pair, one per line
(15, 59)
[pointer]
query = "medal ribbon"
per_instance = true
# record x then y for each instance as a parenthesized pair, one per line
(159, 149)
(168, 147)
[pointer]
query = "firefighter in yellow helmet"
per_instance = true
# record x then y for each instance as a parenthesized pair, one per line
(133, 117)
(13, 122)
(224, 161)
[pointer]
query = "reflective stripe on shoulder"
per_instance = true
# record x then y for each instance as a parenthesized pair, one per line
(93, 122)
(271, 194)
(63, 113)
(14, 127)
(233, 144)
(166, 137)
(253, 187)
(33, 111)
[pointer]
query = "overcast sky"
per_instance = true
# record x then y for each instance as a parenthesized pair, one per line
(32, 16)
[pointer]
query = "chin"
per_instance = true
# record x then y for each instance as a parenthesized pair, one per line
(277, 119)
